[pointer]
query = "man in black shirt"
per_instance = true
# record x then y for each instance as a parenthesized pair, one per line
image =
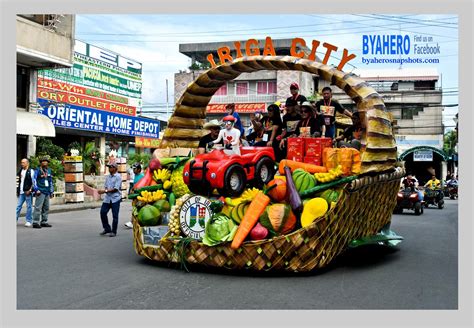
(291, 118)
(294, 90)
(328, 107)
(214, 128)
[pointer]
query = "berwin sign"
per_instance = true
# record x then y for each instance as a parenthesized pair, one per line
(89, 119)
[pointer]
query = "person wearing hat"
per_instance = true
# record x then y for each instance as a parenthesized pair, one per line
(43, 190)
(214, 127)
(230, 109)
(230, 136)
(112, 200)
(309, 119)
(137, 175)
(294, 90)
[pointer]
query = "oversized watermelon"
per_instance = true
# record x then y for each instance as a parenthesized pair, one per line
(303, 180)
(149, 216)
(330, 196)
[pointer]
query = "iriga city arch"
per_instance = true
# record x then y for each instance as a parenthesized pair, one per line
(185, 125)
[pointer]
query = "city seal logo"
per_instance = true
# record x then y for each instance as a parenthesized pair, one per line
(193, 216)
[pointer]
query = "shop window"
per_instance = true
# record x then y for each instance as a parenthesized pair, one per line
(266, 88)
(222, 91)
(262, 88)
(22, 86)
(424, 85)
(241, 88)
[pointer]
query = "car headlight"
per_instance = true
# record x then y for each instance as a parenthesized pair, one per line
(213, 175)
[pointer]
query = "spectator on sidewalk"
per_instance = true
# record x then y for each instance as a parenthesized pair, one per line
(44, 190)
(24, 191)
(137, 170)
(131, 179)
(112, 200)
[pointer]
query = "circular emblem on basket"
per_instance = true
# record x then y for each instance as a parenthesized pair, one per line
(193, 216)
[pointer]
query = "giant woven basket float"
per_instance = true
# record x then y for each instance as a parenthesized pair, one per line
(365, 205)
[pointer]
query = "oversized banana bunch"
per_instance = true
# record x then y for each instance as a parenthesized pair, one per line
(167, 184)
(150, 197)
(333, 174)
(246, 196)
(161, 175)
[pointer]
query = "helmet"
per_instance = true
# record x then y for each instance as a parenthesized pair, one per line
(229, 118)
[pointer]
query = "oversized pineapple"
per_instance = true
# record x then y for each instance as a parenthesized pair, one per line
(179, 187)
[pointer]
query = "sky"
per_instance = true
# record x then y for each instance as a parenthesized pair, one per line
(154, 41)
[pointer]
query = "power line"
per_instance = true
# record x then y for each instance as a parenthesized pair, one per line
(260, 32)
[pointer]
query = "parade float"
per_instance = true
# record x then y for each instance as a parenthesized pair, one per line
(244, 211)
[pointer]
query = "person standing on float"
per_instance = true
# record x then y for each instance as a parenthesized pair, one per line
(328, 107)
(295, 95)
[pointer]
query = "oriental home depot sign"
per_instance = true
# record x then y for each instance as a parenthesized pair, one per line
(252, 48)
(239, 108)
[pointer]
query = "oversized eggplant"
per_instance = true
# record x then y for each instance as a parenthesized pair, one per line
(292, 195)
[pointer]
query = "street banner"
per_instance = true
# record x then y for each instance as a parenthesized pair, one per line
(147, 142)
(239, 108)
(89, 119)
(423, 156)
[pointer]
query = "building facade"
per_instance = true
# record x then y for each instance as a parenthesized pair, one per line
(249, 91)
(414, 97)
(36, 35)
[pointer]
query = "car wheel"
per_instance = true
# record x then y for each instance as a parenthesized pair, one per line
(234, 181)
(417, 208)
(264, 172)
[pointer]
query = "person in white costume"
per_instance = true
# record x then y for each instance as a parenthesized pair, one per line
(230, 136)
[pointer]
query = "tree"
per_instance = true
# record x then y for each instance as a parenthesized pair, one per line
(450, 141)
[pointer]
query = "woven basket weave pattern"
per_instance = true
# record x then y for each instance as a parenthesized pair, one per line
(358, 213)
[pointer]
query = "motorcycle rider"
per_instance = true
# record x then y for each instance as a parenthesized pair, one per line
(433, 183)
(411, 182)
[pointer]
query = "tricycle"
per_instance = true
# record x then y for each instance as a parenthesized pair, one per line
(434, 197)
(409, 198)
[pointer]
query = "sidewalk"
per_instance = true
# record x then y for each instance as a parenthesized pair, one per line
(60, 208)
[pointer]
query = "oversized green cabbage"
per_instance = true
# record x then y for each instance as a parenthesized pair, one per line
(219, 228)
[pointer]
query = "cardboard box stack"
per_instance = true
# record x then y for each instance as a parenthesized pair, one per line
(74, 179)
(122, 170)
(307, 150)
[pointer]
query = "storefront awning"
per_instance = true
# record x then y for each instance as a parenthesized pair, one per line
(29, 123)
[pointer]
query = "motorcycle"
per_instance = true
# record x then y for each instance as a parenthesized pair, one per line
(408, 198)
(453, 189)
(434, 197)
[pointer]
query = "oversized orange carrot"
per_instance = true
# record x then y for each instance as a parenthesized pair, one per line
(293, 165)
(255, 209)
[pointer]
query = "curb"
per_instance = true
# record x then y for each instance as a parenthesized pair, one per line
(61, 208)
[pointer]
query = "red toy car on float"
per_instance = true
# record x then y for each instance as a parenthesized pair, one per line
(230, 173)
